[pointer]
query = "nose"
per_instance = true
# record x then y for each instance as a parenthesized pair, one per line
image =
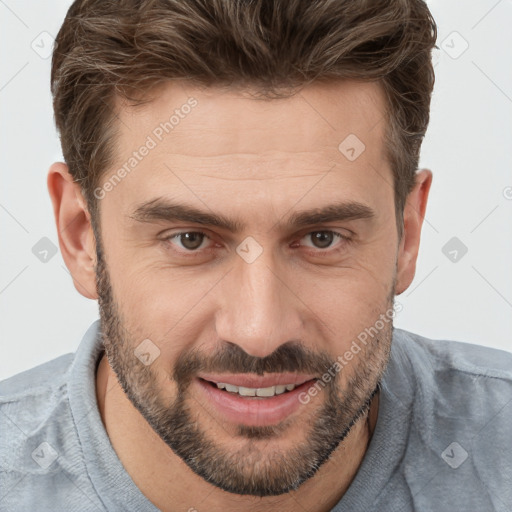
(259, 310)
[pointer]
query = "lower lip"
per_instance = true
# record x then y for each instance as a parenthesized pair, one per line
(255, 411)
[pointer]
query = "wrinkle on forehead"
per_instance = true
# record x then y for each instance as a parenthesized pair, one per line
(231, 149)
(231, 122)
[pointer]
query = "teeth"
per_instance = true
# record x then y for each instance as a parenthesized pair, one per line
(246, 391)
(270, 391)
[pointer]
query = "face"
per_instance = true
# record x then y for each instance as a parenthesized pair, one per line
(244, 247)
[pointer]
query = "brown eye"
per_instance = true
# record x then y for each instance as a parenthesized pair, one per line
(187, 240)
(191, 240)
(325, 241)
(322, 239)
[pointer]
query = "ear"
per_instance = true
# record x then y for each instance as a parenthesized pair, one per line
(76, 237)
(414, 212)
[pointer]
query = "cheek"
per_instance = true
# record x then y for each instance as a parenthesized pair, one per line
(363, 282)
(163, 305)
(349, 301)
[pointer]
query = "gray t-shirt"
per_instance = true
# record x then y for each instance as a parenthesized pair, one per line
(442, 442)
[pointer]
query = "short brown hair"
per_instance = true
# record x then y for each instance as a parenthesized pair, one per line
(107, 49)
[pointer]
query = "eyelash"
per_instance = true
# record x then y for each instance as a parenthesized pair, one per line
(344, 238)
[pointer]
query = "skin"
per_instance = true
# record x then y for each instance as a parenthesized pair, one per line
(258, 162)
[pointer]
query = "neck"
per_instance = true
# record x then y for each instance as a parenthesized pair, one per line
(170, 484)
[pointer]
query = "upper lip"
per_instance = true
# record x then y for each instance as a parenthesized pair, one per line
(248, 380)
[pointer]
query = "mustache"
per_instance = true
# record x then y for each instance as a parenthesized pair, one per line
(292, 356)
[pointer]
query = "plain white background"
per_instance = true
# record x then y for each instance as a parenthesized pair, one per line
(468, 147)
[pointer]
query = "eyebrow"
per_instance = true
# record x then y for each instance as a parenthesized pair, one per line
(162, 209)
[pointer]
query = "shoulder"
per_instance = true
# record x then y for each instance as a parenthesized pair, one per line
(457, 388)
(457, 397)
(35, 390)
(41, 460)
(29, 403)
(445, 357)
(43, 376)
(457, 379)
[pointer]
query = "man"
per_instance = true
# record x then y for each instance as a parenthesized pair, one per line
(241, 195)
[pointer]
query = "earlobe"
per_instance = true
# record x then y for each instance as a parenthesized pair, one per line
(74, 229)
(414, 213)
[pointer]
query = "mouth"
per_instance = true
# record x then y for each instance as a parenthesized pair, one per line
(256, 406)
(262, 392)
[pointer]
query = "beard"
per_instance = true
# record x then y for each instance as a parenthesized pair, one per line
(243, 467)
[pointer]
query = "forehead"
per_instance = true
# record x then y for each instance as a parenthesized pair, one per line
(223, 120)
(211, 140)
